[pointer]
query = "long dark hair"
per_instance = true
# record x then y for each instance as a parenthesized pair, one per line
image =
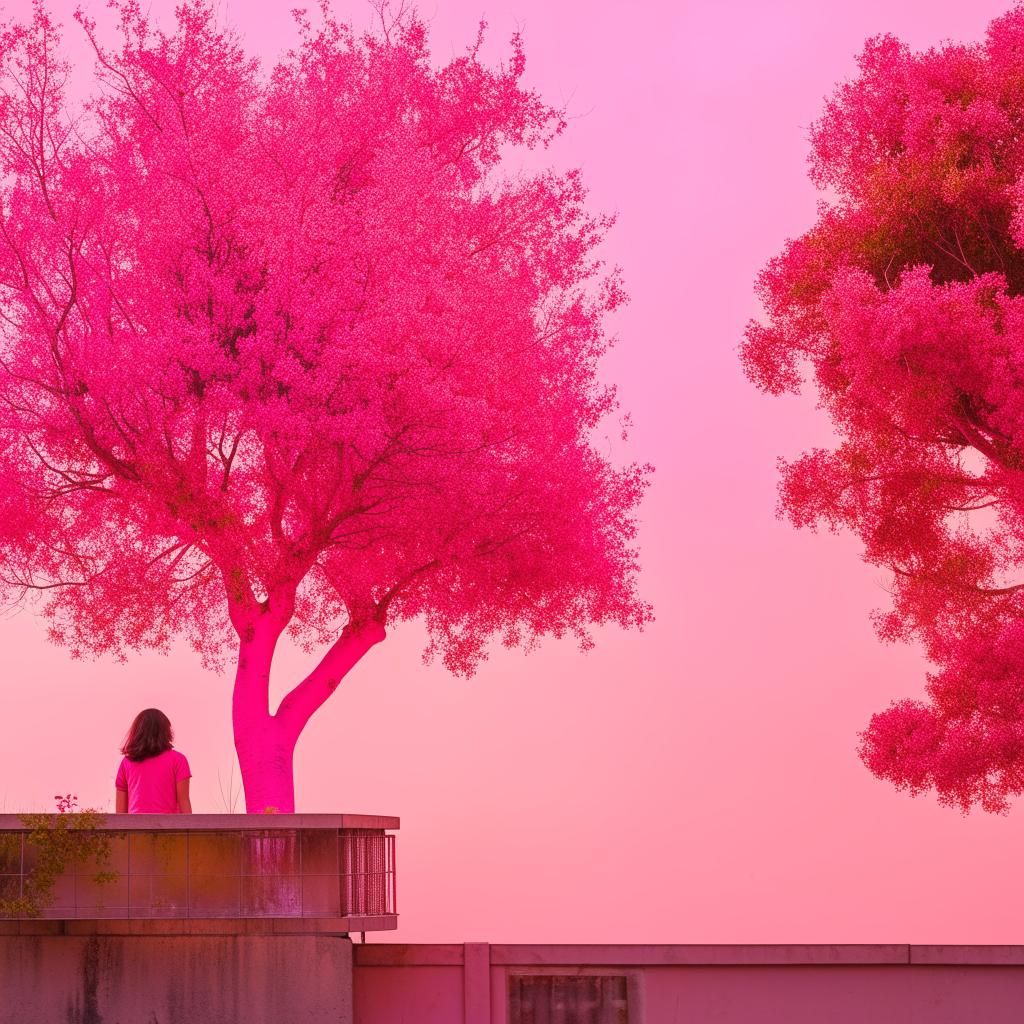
(150, 734)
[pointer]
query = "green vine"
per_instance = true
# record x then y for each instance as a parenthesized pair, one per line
(69, 837)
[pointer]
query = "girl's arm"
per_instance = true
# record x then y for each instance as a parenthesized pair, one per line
(184, 804)
(121, 803)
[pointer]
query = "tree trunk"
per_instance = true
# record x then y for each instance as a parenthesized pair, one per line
(265, 760)
(264, 742)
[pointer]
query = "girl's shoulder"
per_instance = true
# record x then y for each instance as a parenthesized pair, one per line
(180, 766)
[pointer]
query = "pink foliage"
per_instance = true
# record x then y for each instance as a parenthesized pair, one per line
(66, 803)
(286, 351)
(906, 299)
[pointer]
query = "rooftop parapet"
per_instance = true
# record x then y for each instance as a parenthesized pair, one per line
(335, 869)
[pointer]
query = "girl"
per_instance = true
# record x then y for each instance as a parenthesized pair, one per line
(153, 777)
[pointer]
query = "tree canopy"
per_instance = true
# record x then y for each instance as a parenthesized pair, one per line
(905, 299)
(290, 348)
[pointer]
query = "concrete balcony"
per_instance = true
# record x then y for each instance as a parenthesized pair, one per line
(284, 873)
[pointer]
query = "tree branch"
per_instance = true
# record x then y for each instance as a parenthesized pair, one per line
(303, 701)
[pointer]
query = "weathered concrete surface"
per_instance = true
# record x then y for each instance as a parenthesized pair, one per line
(696, 984)
(195, 979)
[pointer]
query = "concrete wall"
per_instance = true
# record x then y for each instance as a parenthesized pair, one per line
(902, 984)
(216, 977)
(175, 979)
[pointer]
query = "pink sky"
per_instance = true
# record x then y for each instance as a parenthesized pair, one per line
(697, 782)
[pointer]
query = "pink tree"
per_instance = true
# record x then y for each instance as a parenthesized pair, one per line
(906, 299)
(287, 353)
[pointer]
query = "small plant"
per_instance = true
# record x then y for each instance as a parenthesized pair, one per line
(69, 837)
(230, 793)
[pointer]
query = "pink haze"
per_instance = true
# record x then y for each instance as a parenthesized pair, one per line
(696, 782)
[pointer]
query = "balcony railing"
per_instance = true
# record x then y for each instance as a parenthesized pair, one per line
(336, 867)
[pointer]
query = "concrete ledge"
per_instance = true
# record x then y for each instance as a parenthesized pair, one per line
(386, 954)
(381, 954)
(200, 926)
(699, 954)
(396, 954)
(967, 955)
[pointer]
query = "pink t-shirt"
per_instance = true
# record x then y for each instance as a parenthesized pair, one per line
(151, 785)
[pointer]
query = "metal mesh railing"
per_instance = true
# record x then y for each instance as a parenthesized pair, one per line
(368, 874)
